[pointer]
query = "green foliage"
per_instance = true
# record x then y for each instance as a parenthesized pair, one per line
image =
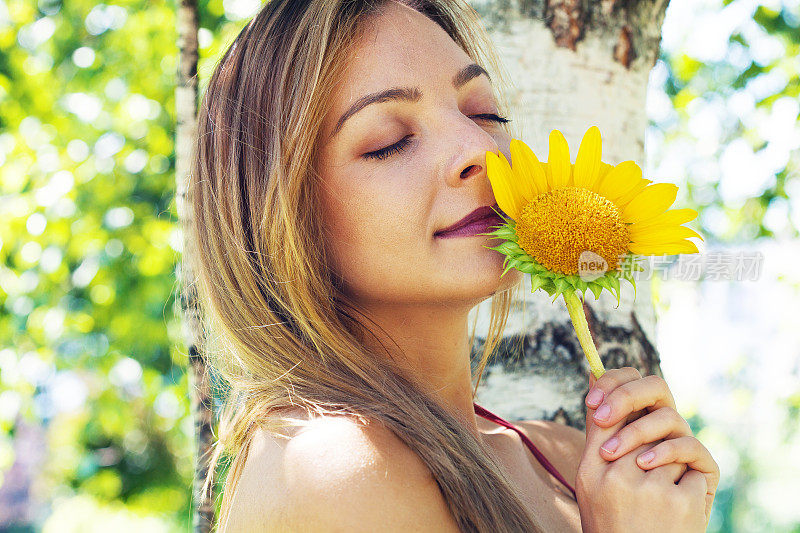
(746, 91)
(91, 345)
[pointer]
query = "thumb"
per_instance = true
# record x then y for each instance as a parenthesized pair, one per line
(589, 410)
(596, 435)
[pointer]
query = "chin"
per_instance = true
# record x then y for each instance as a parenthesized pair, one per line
(511, 278)
(489, 282)
(476, 273)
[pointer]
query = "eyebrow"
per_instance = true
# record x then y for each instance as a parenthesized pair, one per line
(408, 94)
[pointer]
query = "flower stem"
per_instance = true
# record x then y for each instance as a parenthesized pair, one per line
(575, 308)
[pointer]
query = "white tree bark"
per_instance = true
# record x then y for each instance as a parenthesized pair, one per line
(186, 100)
(573, 64)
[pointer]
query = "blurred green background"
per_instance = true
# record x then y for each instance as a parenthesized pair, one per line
(95, 429)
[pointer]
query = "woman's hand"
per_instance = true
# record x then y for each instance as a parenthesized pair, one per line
(617, 491)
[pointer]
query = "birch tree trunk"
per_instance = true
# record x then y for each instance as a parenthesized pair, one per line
(574, 64)
(186, 100)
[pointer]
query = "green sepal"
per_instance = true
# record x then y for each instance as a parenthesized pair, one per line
(605, 282)
(549, 287)
(527, 267)
(537, 283)
(507, 247)
(516, 250)
(633, 283)
(561, 285)
(596, 289)
(503, 231)
(501, 235)
(614, 281)
(509, 267)
(582, 286)
(537, 267)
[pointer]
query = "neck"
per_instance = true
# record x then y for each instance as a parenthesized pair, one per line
(433, 350)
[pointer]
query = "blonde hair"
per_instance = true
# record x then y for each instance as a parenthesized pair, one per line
(286, 335)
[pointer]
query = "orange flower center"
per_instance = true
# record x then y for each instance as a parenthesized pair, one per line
(560, 224)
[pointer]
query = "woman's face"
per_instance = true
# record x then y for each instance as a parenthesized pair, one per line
(380, 214)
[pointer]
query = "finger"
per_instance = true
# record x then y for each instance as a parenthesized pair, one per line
(664, 423)
(687, 450)
(650, 392)
(610, 380)
(670, 471)
(595, 436)
(636, 416)
(694, 481)
(589, 410)
(627, 464)
(695, 484)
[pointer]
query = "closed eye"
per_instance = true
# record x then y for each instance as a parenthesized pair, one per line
(383, 153)
(401, 145)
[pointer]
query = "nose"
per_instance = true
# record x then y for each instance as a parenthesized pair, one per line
(471, 171)
(468, 141)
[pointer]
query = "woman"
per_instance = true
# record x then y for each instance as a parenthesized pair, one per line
(322, 204)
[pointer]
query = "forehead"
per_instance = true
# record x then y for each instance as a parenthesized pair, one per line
(398, 47)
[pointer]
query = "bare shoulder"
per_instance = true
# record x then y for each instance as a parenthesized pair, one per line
(562, 445)
(336, 475)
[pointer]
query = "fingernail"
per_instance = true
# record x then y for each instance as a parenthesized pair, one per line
(602, 413)
(646, 457)
(595, 397)
(611, 444)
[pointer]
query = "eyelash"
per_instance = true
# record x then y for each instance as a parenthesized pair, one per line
(401, 145)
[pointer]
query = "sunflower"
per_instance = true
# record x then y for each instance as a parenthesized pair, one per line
(581, 226)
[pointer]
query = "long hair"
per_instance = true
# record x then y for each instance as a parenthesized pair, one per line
(285, 334)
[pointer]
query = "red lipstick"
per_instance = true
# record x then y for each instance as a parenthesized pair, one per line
(478, 221)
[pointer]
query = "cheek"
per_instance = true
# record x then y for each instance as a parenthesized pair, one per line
(379, 252)
(344, 234)
(362, 233)
(375, 213)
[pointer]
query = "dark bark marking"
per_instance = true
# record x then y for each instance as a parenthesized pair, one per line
(566, 21)
(623, 49)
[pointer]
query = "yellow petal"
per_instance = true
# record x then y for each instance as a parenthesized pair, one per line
(673, 216)
(677, 247)
(558, 159)
(527, 169)
(605, 168)
(660, 233)
(500, 179)
(587, 163)
(626, 199)
(513, 183)
(620, 181)
(548, 174)
(652, 201)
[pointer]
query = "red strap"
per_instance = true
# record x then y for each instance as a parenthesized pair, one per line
(481, 411)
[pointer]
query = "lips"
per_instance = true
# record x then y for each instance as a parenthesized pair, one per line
(481, 213)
